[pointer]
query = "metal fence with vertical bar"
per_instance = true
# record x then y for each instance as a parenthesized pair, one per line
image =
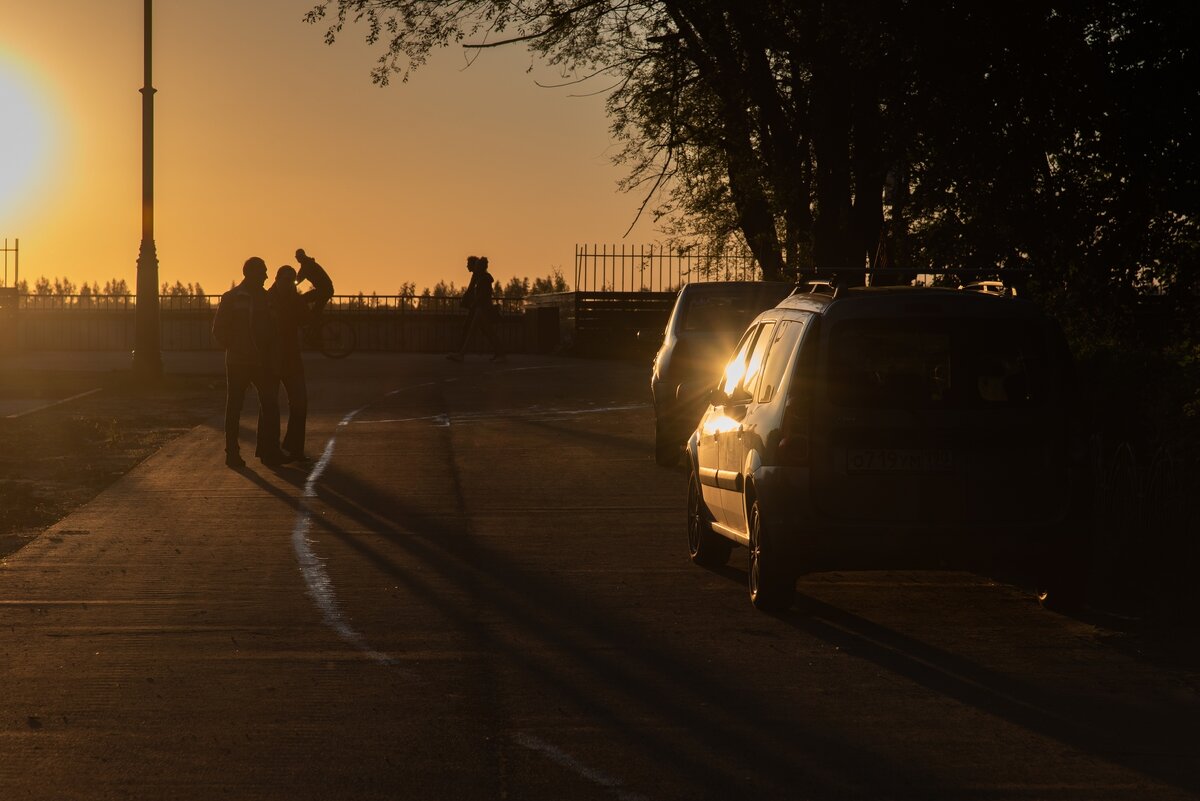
(655, 268)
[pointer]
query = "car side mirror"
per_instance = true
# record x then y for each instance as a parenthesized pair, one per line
(717, 397)
(740, 396)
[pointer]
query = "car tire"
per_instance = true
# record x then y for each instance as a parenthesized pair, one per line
(706, 547)
(1063, 577)
(771, 576)
(666, 448)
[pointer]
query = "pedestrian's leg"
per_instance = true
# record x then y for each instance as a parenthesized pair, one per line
(297, 397)
(237, 378)
(472, 320)
(268, 418)
(492, 329)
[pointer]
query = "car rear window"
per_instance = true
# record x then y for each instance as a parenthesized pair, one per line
(938, 363)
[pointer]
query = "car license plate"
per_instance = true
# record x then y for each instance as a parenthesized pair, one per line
(898, 460)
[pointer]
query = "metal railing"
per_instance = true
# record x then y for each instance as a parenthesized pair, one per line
(652, 268)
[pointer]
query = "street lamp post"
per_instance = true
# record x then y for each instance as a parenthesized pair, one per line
(147, 360)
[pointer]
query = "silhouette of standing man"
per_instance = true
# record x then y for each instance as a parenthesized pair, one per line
(290, 312)
(483, 313)
(244, 328)
(320, 294)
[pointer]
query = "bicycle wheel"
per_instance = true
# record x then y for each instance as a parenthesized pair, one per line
(337, 339)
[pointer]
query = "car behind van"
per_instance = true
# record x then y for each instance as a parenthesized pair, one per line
(700, 334)
(850, 429)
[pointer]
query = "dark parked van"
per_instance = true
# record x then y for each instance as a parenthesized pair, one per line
(848, 429)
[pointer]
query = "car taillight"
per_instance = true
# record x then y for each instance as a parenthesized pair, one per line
(793, 447)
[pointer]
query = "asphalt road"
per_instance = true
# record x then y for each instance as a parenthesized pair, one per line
(479, 589)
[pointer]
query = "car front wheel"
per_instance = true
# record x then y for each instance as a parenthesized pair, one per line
(706, 547)
(772, 579)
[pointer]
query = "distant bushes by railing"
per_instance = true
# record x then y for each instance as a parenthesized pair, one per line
(383, 304)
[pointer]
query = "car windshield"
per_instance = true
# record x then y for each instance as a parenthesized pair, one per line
(938, 363)
(729, 308)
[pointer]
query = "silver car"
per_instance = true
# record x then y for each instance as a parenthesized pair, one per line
(849, 429)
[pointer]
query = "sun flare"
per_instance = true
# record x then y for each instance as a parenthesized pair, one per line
(25, 139)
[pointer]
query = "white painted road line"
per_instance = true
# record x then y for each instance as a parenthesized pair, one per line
(52, 404)
(532, 412)
(316, 578)
(562, 758)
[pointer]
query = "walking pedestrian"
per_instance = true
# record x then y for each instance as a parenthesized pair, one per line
(243, 327)
(483, 313)
(290, 312)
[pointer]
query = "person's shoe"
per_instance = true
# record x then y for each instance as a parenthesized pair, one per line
(273, 459)
(454, 357)
(234, 461)
(289, 456)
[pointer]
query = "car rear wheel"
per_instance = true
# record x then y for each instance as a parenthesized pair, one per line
(705, 546)
(772, 578)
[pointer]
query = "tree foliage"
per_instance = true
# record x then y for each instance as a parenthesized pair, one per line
(1059, 140)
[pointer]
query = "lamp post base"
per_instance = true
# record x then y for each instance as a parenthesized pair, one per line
(147, 361)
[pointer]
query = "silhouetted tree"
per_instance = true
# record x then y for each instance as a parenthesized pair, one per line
(445, 290)
(408, 295)
(944, 134)
(516, 288)
(553, 282)
(116, 286)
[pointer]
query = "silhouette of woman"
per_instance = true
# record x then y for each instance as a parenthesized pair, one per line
(290, 313)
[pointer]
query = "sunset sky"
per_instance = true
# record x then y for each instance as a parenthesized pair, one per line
(267, 140)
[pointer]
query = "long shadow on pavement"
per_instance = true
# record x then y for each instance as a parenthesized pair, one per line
(561, 616)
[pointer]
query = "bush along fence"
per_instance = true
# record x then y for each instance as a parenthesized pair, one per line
(405, 323)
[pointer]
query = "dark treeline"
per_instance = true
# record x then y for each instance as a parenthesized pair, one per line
(515, 289)
(64, 286)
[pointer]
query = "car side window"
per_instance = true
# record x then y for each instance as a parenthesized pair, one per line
(758, 356)
(735, 371)
(782, 346)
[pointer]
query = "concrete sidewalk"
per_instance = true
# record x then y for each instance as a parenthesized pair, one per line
(185, 634)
